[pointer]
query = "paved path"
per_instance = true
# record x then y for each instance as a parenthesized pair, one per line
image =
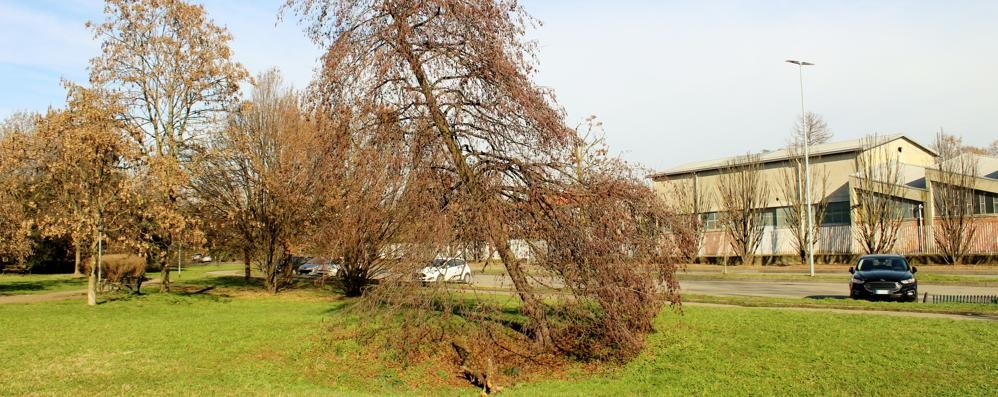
(49, 296)
(766, 288)
(54, 296)
(859, 312)
(795, 289)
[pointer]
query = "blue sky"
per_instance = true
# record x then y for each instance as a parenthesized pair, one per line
(672, 81)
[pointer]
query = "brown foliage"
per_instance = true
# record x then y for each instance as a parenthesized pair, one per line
(265, 180)
(452, 82)
(125, 270)
(171, 67)
(75, 160)
(16, 199)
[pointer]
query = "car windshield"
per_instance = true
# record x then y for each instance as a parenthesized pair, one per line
(872, 264)
(439, 263)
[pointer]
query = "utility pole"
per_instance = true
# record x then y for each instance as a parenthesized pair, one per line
(807, 164)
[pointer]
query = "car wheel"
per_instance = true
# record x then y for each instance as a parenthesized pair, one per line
(467, 278)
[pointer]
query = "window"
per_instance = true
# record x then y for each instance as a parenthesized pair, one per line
(767, 217)
(836, 213)
(908, 209)
(783, 216)
(985, 203)
(710, 220)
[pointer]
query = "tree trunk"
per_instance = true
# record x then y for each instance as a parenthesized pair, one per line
(76, 260)
(247, 269)
(92, 284)
(164, 285)
(532, 306)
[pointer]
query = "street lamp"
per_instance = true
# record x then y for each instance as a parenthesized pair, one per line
(807, 163)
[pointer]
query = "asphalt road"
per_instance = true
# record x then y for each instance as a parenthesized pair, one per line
(779, 289)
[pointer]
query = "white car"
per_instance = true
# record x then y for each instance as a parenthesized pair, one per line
(317, 267)
(442, 270)
(329, 269)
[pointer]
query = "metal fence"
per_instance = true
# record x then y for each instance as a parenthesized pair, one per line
(979, 299)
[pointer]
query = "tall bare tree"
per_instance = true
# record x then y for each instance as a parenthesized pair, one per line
(743, 194)
(455, 76)
(691, 203)
(266, 180)
(793, 189)
(878, 209)
(172, 68)
(953, 194)
(814, 127)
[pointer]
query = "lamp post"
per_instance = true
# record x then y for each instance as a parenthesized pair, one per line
(807, 163)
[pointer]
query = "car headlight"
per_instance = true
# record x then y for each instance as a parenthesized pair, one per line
(857, 281)
(908, 281)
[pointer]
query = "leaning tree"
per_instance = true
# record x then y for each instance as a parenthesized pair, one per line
(454, 77)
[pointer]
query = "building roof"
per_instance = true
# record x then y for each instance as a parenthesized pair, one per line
(909, 175)
(823, 149)
(987, 166)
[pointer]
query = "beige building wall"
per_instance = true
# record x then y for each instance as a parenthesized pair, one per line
(837, 167)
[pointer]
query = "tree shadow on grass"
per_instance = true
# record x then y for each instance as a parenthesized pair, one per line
(22, 287)
(233, 282)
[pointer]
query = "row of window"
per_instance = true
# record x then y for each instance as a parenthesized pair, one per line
(836, 213)
(982, 203)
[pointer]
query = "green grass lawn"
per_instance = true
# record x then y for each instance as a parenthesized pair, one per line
(199, 271)
(20, 284)
(236, 342)
(736, 351)
(848, 304)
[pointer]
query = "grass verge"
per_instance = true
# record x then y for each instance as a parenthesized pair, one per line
(848, 304)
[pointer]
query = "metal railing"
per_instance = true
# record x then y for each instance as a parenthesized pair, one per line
(978, 299)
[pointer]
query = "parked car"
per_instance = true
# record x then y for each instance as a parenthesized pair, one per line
(306, 269)
(201, 258)
(327, 268)
(883, 277)
(303, 265)
(314, 267)
(448, 269)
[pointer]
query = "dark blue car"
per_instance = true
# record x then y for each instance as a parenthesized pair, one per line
(883, 277)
